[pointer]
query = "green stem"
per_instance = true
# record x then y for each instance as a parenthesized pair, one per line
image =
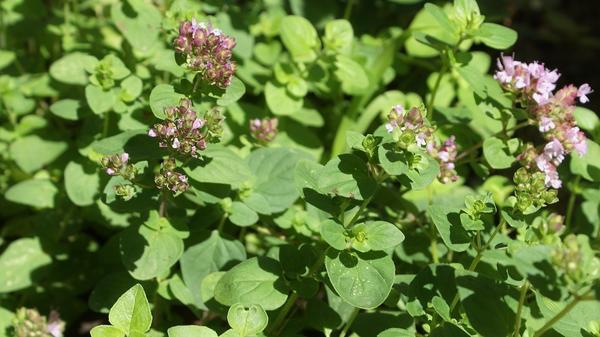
(478, 257)
(379, 179)
(106, 124)
(560, 314)
(571, 203)
(522, 295)
(436, 86)
(162, 209)
(480, 144)
(277, 325)
(349, 323)
(348, 9)
(221, 223)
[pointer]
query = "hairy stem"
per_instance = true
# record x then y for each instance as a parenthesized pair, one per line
(162, 209)
(106, 124)
(348, 9)
(379, 179)
(436, 86)
(522, 295)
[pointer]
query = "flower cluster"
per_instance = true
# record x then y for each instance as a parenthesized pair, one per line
(118, 165)
(30, 323)
(208, 51)
(184, 132)
(531, 190)
(264, 130)
(408, 127)
(534, 84)
(445, 154)
(169, 179)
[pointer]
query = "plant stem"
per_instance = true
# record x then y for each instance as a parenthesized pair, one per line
(477, 258)
(561, 314)
(480, 144)
(349, 323)
(221, 223)
(571, 203)
(162, 209)
(522, 295)
(379, 179)
(348, 9)
(436, 86)
(106, 124)
(277, 326)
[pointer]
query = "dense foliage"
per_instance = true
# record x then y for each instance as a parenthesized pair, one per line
(270, 168)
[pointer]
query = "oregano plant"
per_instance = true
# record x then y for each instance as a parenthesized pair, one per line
(240, 169)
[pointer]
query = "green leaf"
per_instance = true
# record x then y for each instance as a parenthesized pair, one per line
(161, 97)
(71, 68)
(338, 36)
(334, 234)
(108, 289)
(69, 109)
(346, 176)
(588, 165)
(487, 304)
(206, 257)
(149, 252)
(131, 88)
(247, 321)
(256, 280)
(82, 184)
(351, 75)
(573, 323)
(280, 102)
(396, 332)
(586, 118)
(106, 331)
(140, 24)
(447, 221)
(496, 36)
(98, 100)
(32, 153)
(18, 262)
(6, 58)
(274, 172)
(498, 153)
(474, 77)
(131, 313)
(33, 192)
(300, 38)
(222, 166)
(116, 143)
(242, 215)
(447, 329)
(191, 331)
(440, 16)
(363, 279)
(233, 93)
(376, 235)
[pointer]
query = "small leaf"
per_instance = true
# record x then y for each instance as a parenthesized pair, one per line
(440, 16)
(364, 280)
(99, 101)
(131, 312)
(497, 153)
(247, 322)
(300, 38)
(71, 68)
(256, 280)
(233, 93)
(69, 109)
(588, 165)
(242, 215)
(33, 192)
(32, 153)
(81, 186)
(496, 36)
(106, 331)
(191, 331)
(338, 36)
(334, 234)
(161, 97)
(279, 101)
(376, 235)
(351, 74)
(19, 261)
(447, 221)
(131, 88)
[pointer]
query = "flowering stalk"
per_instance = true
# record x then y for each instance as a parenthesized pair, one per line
(263, 130)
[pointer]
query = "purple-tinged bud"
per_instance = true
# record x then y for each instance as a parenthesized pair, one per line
(152, 133)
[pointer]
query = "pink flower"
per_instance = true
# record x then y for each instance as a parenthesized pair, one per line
(555, 151)
(552, 179)
(198, 123)
(125, 158)
(111, 171)
(176, 143)
(577, 140)
(546, 124)
(583, 91)
(152, 133)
